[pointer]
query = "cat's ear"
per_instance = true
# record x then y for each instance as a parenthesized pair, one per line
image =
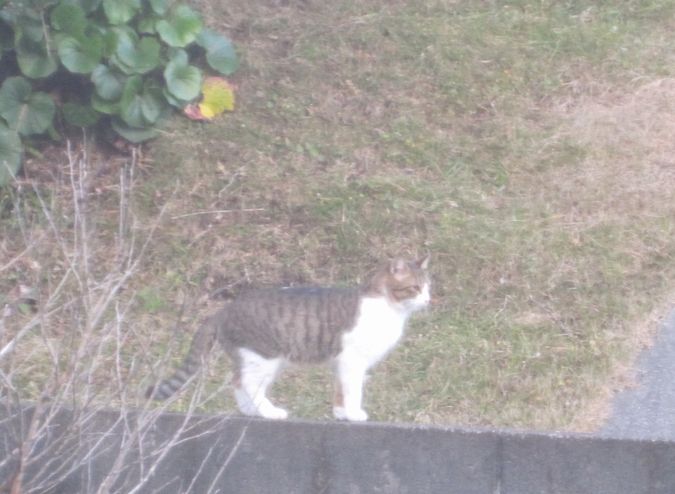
(423, 263)
(398, 268)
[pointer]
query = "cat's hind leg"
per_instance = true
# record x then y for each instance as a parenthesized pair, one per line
(256, 374)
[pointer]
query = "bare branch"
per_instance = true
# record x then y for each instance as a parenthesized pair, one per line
(218, 211)
(78, 355)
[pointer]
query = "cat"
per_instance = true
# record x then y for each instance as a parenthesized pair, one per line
(353, 328)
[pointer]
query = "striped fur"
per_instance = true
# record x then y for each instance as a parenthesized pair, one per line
(202, 342)
(263, 329)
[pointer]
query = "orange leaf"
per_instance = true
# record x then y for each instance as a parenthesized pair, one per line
(193, 112)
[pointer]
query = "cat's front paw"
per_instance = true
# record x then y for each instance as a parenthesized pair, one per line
(357, 415)
(274, 413)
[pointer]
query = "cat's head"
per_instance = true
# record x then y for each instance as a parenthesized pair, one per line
(405, 283)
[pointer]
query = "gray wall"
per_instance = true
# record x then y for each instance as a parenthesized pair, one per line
(76, 452)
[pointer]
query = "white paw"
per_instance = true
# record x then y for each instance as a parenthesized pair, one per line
(245, 404)
(263, 408)
(357, 415)
(274, 413)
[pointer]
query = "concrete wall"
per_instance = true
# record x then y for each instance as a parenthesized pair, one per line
(77, 453)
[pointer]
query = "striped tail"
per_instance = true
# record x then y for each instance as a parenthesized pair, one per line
(201, 344)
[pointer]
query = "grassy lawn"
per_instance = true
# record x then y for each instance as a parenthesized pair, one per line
(527, 145)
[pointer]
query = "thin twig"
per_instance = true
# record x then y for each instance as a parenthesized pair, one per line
(218, 211)
(31, 324)
(23, 253)
(229, 458)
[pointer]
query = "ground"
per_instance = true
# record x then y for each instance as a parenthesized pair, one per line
(526, 145)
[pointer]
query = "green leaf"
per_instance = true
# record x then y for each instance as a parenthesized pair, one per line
(26, 111)
(109, 39)
(155, 105)
(159, 7)
(124, 33)
(29, 25)
(120, 11)
(173, 101)
(80, 115)
(70, 19)
(141, 104)
(10, 154)
(86, 5)
(128, 104)
(139, 57)
(151, 107)
(33, 58)
(107, 82)
(80, 56)
(36, 5)
(38, 114)
(134, 134)
(14, 89)
(182, 80)
(124, 36)
(181, 28)
(105, 106)
(220, 53)
(146, 24)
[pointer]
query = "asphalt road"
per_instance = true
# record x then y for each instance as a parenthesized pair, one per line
(647, 411)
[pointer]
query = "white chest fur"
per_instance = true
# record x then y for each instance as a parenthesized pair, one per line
(378, 328)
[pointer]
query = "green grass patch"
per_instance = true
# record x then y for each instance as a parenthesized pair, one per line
(503, 138)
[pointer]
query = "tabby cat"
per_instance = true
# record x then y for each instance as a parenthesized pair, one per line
(353, 328)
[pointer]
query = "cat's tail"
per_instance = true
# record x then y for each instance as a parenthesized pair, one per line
(202, 342)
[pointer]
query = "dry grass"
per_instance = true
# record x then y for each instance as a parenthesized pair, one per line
(526, 146)
(626, 183)
(629, 164)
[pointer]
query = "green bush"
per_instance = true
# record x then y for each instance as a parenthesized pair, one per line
(118, 64)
